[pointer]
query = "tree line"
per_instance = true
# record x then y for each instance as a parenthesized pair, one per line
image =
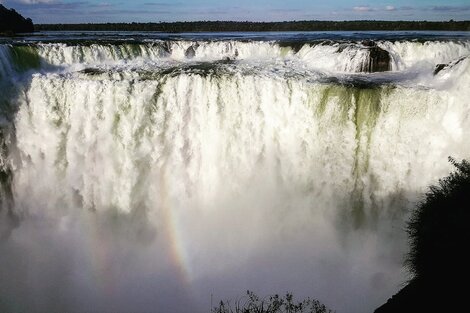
(231, 26)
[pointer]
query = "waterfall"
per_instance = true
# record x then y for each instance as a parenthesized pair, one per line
(195, 167)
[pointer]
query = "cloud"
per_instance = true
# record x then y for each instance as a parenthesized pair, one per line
(283, 11)
(163, 4)
(407, 8)
(390, 8)
(127, 12)
(47, 4)
(35, 1)
(445, 8)
(363, 9)
(101, 5)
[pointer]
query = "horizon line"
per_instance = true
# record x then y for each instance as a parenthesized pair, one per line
(263, 22)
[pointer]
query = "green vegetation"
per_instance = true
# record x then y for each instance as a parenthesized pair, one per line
(230, 26)
(272, 304)
(25, 58)
(439, 230)
(438, 259)
(12, 22)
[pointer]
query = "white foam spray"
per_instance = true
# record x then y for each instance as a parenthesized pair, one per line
(141, 194)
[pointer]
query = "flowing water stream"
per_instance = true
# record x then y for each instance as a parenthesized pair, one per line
(147, 172)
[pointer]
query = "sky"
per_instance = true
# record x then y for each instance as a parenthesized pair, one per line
(102, 11)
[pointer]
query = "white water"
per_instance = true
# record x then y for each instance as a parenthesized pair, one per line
(5, 62)
(151, 195)
(331, 58)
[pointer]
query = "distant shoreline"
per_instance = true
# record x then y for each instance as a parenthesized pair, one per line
(231, 26)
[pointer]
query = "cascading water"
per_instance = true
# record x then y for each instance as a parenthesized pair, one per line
(140, 177)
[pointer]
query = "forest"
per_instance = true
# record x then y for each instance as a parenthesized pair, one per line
(12, 22)
(231, 26)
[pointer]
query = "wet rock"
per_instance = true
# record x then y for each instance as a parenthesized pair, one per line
(378, 60)
(369, 43)
(166, 46)
(439, 67)
(190, 52)
(92, 71)
(341, 48)
(294, 45)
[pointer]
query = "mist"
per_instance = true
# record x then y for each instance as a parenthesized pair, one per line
(139, 179)
(93, 262)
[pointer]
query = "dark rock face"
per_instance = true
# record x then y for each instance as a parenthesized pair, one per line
(12, 21)
(440, 67)
(407, 300)
(190, 52)
(428, 296)
(379, 59)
